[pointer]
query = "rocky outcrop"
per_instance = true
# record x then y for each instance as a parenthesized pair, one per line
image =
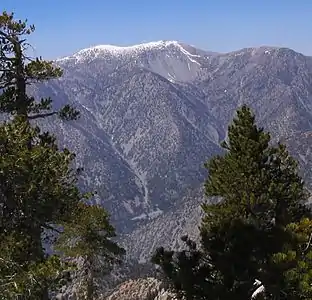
(142, 289)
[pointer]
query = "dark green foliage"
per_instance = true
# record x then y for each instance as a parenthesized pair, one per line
(255, 230)
(38, 185)
(38, 189)
(184, 274)
(24, 278)
(256, 180)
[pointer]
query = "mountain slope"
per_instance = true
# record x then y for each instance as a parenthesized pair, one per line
(152, 114)
(136, 125)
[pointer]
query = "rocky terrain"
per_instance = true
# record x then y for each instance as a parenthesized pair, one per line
(152, 114)
(142, 289)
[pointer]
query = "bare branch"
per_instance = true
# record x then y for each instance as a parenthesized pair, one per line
(33, 48)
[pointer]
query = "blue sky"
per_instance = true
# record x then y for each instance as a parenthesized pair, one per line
(65, 26)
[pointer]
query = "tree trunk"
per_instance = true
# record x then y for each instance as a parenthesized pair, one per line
(20, 80)
(38, 255)
(90, 279)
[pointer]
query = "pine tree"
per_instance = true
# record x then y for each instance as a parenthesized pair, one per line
(38, 184)
(262, 194)
(89, 236)
(19, 70)
(249, 233)
(37, 190)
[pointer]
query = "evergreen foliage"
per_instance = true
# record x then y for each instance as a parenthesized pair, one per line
(39, 197)
(258, 230)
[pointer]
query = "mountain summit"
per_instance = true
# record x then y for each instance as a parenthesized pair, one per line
(173, 60)
(113, 50)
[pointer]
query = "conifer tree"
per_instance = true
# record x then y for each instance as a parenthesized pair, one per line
(89, 236)
(38, 184)
(38, 190)
(257, 229)
(18, 70)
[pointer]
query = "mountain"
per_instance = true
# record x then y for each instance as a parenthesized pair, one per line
(138, 128)
(152, 114)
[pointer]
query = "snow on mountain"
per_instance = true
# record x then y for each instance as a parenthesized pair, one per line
(170, 59)
(132, 51)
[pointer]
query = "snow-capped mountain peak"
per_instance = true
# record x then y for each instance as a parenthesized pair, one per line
(122, 50)
(173, 60)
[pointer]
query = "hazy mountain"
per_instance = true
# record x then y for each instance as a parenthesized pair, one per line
(152, 114)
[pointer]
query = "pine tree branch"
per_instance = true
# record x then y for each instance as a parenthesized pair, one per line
(8, 37)
(5, 58)
(39, 116)
(5, 85)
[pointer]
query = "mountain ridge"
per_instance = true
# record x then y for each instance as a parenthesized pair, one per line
(150, 120)
(133, 49)
(162, 44)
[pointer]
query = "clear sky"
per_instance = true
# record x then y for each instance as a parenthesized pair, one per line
(65, 26)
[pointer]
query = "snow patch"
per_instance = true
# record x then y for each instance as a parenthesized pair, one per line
(128, 207)
(151, 215)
